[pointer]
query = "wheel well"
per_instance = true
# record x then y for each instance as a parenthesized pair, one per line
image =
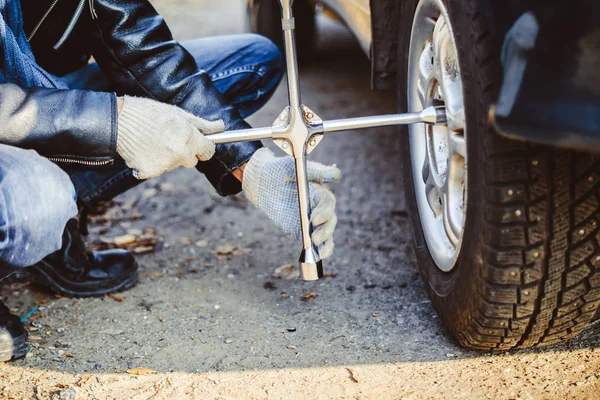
(384, 47)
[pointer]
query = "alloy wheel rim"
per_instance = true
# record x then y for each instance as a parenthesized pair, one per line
(438, 152)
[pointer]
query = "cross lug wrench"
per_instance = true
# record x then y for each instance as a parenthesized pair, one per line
(298, 131)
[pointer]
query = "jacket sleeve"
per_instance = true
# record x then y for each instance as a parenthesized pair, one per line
(137, 53)
(71, 125)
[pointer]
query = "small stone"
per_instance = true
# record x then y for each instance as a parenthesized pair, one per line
(352, 288)
(228, 340)
(98, 366)
(202, 243)
(67, 394)
(230, 276)
(217, 306)
(149, 193)
(131, 365)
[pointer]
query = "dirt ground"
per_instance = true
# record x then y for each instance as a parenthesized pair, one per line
(214, 315)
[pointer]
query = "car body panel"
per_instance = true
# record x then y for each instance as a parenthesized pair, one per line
(356, 15)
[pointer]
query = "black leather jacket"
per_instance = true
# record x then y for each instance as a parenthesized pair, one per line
(136, 52)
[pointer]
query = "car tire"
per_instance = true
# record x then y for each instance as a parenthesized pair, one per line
(264, 18)
(528, 270)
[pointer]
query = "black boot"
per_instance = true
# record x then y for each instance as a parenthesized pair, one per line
(13, 336)
(73, 272)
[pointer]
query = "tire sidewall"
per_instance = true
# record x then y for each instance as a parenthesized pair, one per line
(454, 294)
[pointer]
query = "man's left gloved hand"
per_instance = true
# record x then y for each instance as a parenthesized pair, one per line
(270, 184)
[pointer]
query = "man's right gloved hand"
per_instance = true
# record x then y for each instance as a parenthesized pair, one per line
(154, 137)
(270, 184)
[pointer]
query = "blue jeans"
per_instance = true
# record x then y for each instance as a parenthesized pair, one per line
(37, 198)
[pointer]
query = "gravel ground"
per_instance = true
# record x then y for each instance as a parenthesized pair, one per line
(214, 317)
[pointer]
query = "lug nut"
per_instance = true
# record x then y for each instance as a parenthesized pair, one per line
(284, 145)
(313, 142)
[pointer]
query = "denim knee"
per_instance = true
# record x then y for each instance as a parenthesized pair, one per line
(271, 58)
(37, 199)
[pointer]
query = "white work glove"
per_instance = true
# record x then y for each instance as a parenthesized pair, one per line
(270, 184)
(154, 137)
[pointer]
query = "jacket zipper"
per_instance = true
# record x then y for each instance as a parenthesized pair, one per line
(74, 161)
(37, 26)
(71, 25)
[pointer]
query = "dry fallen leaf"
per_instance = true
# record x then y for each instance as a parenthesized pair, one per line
(308, 295)
(136, 215)
(124, 240)
(115, 297)
(141, 371)
(83, 380)
(285, 296)
(142, 249)
(158, 274)
(375, 315)
(353, 375)
(68, 355)
(162, 320)
(35, 337)
(202, 243)
(227, 251)
(288, 271)
(289, 346)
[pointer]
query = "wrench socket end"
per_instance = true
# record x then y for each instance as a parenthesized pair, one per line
(311, 266)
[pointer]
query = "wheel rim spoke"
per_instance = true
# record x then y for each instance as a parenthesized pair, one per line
(459, 145)
(426, 70)
(434, 197)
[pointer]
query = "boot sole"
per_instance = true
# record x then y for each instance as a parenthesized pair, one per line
(43, 279)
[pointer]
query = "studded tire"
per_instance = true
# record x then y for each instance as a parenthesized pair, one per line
(528, 273)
